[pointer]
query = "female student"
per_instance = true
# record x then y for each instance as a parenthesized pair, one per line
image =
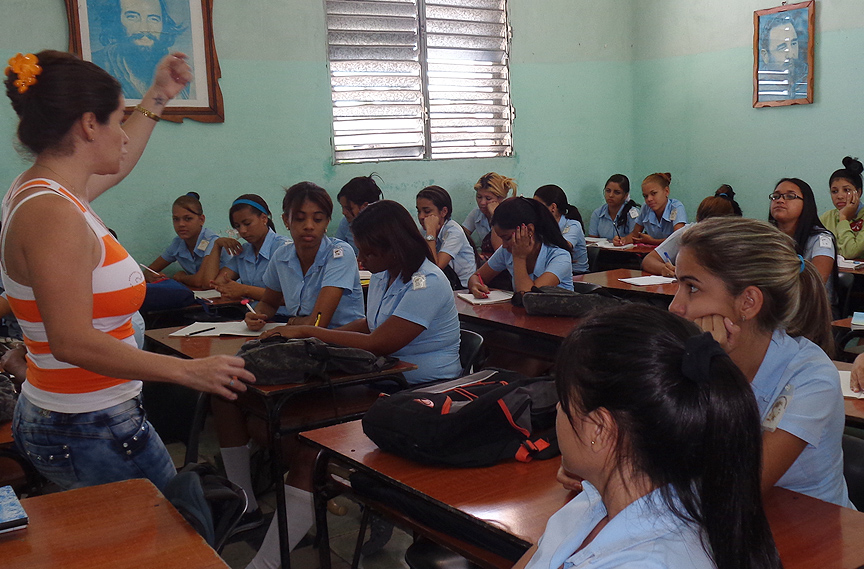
(619, 416)
(533, 251)
(317, 281)
(847, 217)
(354, 197)
(743, 281)
(793, 211)
(250, 216)
(447, 242)
(566, 215)
(617, 216)
(79, 417)
(661, 261)
(490, 191)
(659, 217)
(192, 244)
(410, 314)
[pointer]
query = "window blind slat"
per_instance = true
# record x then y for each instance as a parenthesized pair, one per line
(378, 65)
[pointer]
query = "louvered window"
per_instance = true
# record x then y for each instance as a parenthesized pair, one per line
(419, 79)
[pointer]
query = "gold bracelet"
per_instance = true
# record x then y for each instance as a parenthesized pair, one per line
(148, 113)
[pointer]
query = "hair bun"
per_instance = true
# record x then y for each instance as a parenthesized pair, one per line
(667, 175)
(194, 195)
(853, 165)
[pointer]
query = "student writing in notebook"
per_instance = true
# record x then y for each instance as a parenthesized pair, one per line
(616, 217)
(659, 217)
(316, 281)
(80, 417)
(410, 314)
(192, 244)
(243, 273)
(447, 242)
(354, 197)
(661, 261)
(742, 280)
(619, 415)
(533, 251)
(569, 221)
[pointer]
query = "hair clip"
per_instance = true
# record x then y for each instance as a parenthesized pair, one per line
(26, 67)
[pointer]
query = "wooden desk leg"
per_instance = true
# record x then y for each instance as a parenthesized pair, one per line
(322, 531)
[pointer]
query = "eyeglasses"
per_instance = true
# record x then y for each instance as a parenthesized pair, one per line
(788, 197)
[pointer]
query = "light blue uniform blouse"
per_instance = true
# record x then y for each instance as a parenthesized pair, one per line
(343, 232)
(477, 224)
(572, 232)
(645, 534)
(335, 265)
(551, 259)
(798, 386)
(426, 299)
(191, 262)
(821, 244)
(602, 224)
(662, 228)
(453, 241)
(251, 267)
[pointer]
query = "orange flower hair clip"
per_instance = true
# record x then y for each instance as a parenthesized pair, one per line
(27, 68)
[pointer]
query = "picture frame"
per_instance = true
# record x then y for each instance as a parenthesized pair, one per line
(127, 38)
(783, 45)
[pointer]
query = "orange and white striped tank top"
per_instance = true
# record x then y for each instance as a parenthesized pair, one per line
(118, 291)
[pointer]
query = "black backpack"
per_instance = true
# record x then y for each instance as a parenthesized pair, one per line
(277, 360)
(556, 301)
(478, 420)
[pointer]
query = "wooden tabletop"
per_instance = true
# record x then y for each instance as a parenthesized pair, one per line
(610, 280)
(124, 524)
(194, 347)
(506, 316)
(637, 249)
(519, 498)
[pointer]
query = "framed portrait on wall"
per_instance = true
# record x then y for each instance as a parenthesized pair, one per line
(783, 55)
(128, 38)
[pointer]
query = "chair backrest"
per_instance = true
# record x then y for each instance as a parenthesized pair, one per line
(853, 468)
(470, 345)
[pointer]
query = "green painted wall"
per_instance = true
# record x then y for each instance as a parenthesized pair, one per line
(692, 75)
(573, 102)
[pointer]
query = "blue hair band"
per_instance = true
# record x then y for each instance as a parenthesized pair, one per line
(256, 205)
(800, 258)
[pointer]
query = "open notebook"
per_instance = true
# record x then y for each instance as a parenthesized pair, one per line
(495, 296)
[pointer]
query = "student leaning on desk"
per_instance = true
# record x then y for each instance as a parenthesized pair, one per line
(617, 217)
(79, 418)
(534, 251)
(846, 220)
(741, 280)
(657, 437)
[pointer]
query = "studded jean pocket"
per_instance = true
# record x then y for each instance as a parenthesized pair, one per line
(53, 461)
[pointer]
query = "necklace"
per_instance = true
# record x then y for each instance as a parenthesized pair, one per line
(56, 173)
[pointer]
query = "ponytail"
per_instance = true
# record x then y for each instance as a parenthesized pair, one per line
(813, 319)
(679, 391)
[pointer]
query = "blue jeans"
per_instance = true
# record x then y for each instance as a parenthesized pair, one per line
(84, 449)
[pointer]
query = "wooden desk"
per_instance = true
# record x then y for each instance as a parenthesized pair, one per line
(319, 405)
(505, 316)
(515, 500)
(124, 524)
(854, 408)
(610, 280)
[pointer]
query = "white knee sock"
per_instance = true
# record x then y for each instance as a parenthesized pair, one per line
(301, 516)
(238, 471)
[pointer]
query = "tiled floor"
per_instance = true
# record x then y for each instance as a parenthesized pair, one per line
(343, 529)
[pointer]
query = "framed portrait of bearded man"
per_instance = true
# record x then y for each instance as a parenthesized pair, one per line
(783, 55)
(128, 38)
